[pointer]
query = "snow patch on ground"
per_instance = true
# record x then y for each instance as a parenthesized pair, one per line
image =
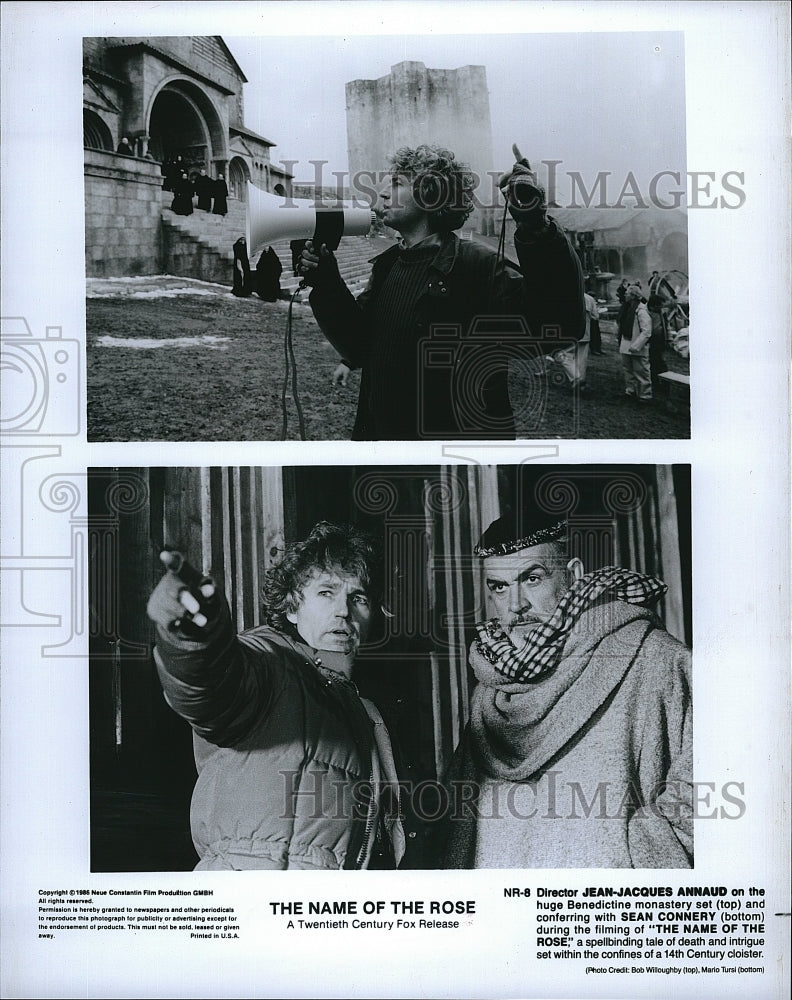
(165, 286)
(153, 293)
(151, 286)
(144, 343)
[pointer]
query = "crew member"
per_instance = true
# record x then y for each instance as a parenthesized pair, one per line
(295, 769)
(441, 318)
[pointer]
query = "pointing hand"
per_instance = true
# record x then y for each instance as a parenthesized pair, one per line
(183, 599)
(524, 194)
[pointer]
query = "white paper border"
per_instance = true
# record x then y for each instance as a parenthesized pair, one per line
(737, 73)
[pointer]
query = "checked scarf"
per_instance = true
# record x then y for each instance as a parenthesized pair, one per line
(545, 642)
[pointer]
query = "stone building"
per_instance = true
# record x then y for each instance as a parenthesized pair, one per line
(166, 96)
(627, 241)
(412, 105)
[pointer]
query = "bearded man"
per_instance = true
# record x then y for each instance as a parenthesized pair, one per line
(578, 753)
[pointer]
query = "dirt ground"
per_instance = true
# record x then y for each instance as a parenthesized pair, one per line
(220, 377)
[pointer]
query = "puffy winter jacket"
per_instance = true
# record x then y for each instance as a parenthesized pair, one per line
(283, 747)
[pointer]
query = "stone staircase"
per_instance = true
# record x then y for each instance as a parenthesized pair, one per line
(201, 246)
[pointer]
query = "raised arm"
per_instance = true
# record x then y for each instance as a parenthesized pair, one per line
(553, 285)
(209, 677)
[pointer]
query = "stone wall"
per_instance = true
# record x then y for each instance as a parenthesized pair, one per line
(413, 104)
(123, 234)
(188, 257)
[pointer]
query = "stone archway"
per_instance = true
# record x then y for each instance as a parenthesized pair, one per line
(238, 176)
(634, 263)
(96, 134)
(674, 252)
(183, 120)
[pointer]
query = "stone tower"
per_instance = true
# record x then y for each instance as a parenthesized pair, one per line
(413, 104)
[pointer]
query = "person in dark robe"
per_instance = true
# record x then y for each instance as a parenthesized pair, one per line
(268, 272)
(124, 147)
(242, 284)
(220, 194)
(203, 189)
(166, 169)
(182, 196)
(172, 171)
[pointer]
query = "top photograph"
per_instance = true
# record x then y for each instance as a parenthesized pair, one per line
(394, 238)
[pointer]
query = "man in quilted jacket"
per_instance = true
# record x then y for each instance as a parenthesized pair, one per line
(295, 769)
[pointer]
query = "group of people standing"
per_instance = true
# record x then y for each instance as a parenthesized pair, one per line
(641, 331)
(264, 280)
(211, 193)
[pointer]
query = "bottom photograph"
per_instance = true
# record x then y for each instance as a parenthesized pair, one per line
(359, 667)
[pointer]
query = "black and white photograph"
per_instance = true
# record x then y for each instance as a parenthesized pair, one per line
(418, 238)
(369, 532)
(440, 667)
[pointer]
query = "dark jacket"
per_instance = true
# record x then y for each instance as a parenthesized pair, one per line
(470, 320)
(283, 748)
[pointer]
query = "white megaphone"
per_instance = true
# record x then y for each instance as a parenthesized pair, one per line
(280, 217)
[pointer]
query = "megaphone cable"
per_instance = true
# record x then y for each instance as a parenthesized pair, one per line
(500, 253)
(290, 376)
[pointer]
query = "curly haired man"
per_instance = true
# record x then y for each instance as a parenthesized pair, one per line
(440, 318)
(295, 769)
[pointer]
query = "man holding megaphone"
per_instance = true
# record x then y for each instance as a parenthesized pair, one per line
(440, 318)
